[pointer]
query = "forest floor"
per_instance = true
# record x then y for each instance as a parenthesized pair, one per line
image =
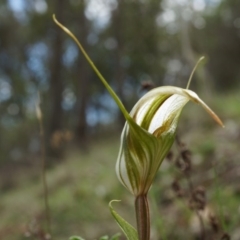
(82, 185)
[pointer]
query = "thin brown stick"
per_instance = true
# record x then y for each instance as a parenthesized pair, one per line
(200, 218)
(187, 175)
(143, 218)
(43, 167)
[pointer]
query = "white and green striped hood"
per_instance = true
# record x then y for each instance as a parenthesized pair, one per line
(149, 134)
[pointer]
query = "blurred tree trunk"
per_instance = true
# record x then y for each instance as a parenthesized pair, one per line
(82, 81)
(202, 75)
(56, 81)
(118, 32)
(135, 31)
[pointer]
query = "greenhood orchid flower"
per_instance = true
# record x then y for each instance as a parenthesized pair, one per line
(149, 131)
(148, 136)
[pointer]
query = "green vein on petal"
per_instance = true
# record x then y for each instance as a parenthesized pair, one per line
(138, 148)
(152, 110)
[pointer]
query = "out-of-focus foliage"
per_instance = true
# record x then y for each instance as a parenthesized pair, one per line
(220, 40)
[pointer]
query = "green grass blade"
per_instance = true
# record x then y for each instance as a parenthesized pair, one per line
(129, 231)
(76, 238)
(116, 236)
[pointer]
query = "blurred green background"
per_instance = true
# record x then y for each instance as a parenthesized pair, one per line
(134, 43)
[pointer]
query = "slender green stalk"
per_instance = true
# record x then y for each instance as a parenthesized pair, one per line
(43, 167)
(103, 80)
(193, 71)
(143, 217)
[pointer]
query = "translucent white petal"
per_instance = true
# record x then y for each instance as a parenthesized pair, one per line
(143, 105)
(121, 169)
(122, 175)
(140, 114)
(172, 106)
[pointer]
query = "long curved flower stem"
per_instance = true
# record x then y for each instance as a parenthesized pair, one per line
(105, 83)
(143, 217)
